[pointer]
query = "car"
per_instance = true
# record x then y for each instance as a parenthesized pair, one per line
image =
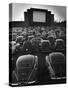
(26, 69)
(59, 45)
(45, 46)
(56, 63)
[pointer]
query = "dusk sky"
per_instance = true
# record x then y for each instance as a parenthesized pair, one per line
(18, 10)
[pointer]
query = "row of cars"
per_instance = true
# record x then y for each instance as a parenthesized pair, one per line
(37, 60)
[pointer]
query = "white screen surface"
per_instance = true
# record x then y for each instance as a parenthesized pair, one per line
(39, 16)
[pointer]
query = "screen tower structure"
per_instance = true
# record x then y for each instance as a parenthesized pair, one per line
(38, 17)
